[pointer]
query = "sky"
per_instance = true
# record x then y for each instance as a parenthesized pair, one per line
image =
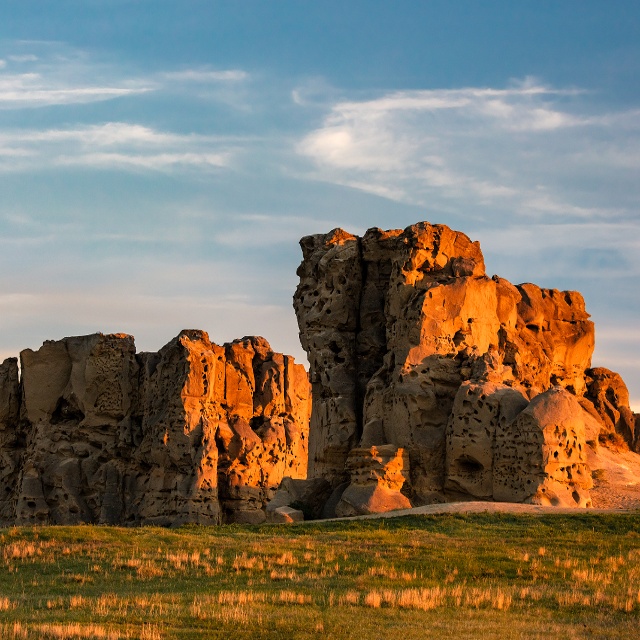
(160, 160)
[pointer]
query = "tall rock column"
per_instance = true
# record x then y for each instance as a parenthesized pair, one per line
(11, 439)
(327, 303)
(413, 346)
(76, 401)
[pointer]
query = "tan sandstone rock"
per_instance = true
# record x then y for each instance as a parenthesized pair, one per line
(377, 476)
(10, 436)
(608, 393)
(479, 411)
(284, 515)
(194, 433)
(412, 345)
(308, 496)
(541, 456)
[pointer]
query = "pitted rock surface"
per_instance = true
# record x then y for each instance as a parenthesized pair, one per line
(93, 432)
(412, 345)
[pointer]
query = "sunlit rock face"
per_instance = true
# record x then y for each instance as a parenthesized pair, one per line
(411, 344)
(93, 432)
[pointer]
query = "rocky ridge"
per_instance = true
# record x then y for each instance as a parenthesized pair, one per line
(92, 432)
(484, 388)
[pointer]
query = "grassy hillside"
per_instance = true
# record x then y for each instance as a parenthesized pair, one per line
(446, 576)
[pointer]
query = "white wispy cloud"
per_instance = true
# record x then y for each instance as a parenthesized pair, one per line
(34, 90)
(529, 149)
(112, 145)
(206, 76)
(156, 162)
(27, 57)
(62, 75)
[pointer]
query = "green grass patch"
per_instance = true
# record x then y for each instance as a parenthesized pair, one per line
(445, 576)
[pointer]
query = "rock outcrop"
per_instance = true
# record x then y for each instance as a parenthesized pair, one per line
(376, 476)
(93, 432)
(485, 386)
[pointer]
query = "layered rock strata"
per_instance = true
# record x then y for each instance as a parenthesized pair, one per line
(93, 432)
(411, 345)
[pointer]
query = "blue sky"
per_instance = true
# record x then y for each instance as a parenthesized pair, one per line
(159, 160)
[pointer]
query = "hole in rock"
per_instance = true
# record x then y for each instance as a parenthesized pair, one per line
(458, 338)
(469, 465)
(334, 347)
(66, 411)
(256, 422)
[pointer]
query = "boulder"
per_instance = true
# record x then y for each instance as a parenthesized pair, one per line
(286, 515)
(377, 475)
(541, 456)
(360, 500)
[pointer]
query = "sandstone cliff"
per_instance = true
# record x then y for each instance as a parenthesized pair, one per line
(485, 387)
(93, 432)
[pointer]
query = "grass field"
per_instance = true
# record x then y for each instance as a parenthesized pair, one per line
(446, 576)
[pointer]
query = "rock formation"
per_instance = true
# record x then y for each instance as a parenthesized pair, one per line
(484, 387)
(376, 477)
(431, 382)
(93, 432)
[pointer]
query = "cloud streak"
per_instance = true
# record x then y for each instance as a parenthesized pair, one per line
(64, 76)
(113, 145)
(33, 90)
(206, 76)
(512, 148)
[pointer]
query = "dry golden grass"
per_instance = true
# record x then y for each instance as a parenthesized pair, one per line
(73, 631)
(336, 581)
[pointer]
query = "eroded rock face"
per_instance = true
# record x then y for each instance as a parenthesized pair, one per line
(541, 456)
(197, 432)
(481, 413)
(412, 345)
(10, 438)
(607, 392)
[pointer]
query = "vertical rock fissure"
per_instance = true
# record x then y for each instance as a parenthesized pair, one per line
(360, 389)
